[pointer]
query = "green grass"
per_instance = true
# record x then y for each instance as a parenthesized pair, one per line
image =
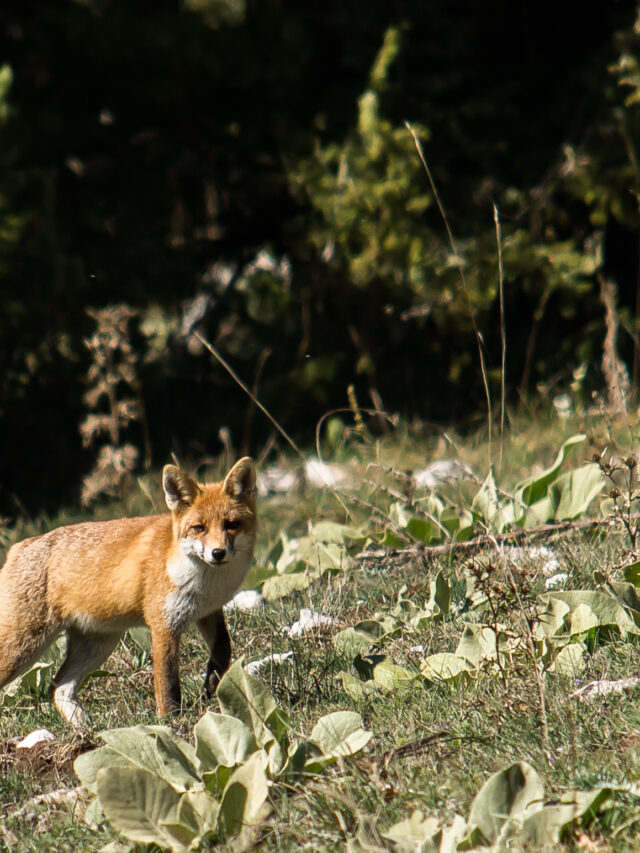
(434, 744)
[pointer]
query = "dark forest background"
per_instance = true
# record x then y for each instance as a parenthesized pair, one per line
(243, 169)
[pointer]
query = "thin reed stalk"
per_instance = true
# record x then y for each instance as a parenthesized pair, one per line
(214, 352)
(503, 331)
(465, 290)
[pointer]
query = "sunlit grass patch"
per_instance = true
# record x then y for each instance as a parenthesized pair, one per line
(463, 657)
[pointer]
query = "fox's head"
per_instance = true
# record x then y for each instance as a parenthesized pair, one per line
(215, 521)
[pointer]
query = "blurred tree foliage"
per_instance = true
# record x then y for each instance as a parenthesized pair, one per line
(244, 169)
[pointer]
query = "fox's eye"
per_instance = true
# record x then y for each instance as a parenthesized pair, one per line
(231, 524)
(197, 528)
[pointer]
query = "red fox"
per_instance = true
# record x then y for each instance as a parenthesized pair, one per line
(96, 579)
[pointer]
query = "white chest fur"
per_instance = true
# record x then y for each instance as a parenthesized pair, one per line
(200, 588)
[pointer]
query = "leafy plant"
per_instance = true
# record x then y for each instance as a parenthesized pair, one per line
(551, 496)
(509, 809)
(297, 562)
(155, 788)
(551, 632)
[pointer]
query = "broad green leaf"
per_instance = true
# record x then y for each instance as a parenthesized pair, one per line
(351, 641)
(244, 796)
(582, 620)
(33, 681)
(459, 525)
(629, 596)
(278, 723)
(400, 514)
(337, 735)
(357, 689)
(391, 677)
(631, 573)
(279, 586)
(477, 643)
(414, 830)
(277, 753)
(361, 637)
(199, 811)
(507, 517)
(440, 594)
(406, 609)
(486, 502)
(330, 531)
(444, 666)
(93, 815)
(222, 739)
(537, 513)
(426, 835)
(384, 625)
(137, 803)
(551, 618)
(392, 540)
(432, 504)
(87, 765)
(540, 512)
(436, 607)
(242, 696)
(532, 489)
(549, 824)
(423, 530)
(567, 497)
(159, 750)
(449, 837)
(258, 575)
(298, 753)
(289, 560)
(608, 507)
(605, 609)
(141, 637)
(569, 661)
(573, 492)
(511, 794)
(375, 627)
(324, 556)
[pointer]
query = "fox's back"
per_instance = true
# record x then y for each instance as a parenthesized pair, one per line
(99, 567)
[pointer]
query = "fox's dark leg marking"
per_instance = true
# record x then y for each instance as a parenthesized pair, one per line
(214, 630)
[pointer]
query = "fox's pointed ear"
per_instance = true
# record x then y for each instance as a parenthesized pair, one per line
(180, 490)
(240, 482)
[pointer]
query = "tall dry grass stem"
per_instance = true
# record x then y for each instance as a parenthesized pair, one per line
(503, 332)
(465, 290)
(214, 352)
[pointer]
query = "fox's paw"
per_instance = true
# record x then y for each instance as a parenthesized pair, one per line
(65, 701)
(211, 682)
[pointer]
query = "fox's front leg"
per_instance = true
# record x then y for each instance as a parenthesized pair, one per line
(166, 674)
(214, 630)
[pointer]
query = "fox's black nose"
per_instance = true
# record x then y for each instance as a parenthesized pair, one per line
(218, 555)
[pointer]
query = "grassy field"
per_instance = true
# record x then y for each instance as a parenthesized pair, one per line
(437, 736)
